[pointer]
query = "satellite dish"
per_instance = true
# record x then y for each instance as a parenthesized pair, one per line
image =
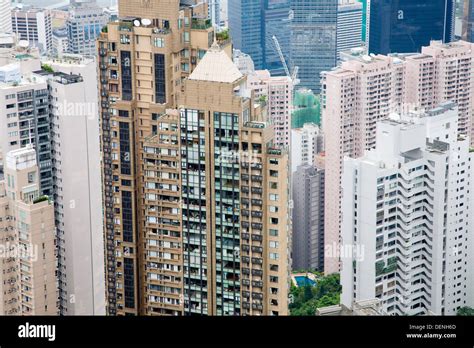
(23, 43)
(146, 22)
(136, 23)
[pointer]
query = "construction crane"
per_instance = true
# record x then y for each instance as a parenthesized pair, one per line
(294, 76)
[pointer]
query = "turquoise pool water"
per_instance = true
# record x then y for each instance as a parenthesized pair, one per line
(304, 281)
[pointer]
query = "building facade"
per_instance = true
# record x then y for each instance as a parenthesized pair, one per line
(77, 185)
(5, 16)
(277, 94)
(25, 120)
(366, 89)
(308, 218)
(349, 25)
(175, 240)
(246, 27)
(468, 21)
(84, 24)
(35, 26)
(406, 226)
(28, 279)
(313, 39)
(306, 143)
(402, 26)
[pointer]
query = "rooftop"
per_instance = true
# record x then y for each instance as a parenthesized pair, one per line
(216, 66)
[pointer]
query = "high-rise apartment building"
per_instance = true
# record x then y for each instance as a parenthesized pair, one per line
(33, 25)
(141, 69)
(77, 184)
(25, 119)
(181, 236)
(5, 16)
(306, 143)
(28, 280)
(84, 24)
(234, 195)
(401, 26)
(277, 93)
(406, 234)
(308, 218)
(367, 89)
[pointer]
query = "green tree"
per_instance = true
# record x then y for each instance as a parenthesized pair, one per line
(466, 311)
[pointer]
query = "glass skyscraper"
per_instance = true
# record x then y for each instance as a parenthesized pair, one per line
(247, 28)
(400, 26)
(276, 23)
(313, 39)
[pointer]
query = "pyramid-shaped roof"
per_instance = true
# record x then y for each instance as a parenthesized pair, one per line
(216, 66)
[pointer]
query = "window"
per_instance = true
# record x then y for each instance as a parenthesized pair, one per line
(159, 42)
(274, 233)
(273, 197)
(31, 177)
(273, 245)
(274, 256)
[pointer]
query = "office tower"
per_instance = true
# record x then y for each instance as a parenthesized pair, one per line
(130, 98)
(401, 26)
(306, 143)
(5, 16)
(407, 227)
(33, 25)
(77, 184)
(365, 15)
(349, 25)
(60, 41)
(24, 118)
(27, 219)
(320, 30)
(276, 20)
(277, 94)
(246, 27)
(366, 89)
(308, 218)
(84, 24)
(313, 43)
(467, 21)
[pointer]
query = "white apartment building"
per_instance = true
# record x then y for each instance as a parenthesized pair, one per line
(77, 193)
(366, 89)
(33, 25)
(306, 143)
(406, 235)
(24, 118)
(277, 91)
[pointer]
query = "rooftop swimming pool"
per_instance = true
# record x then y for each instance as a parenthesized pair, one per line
(304, 281)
